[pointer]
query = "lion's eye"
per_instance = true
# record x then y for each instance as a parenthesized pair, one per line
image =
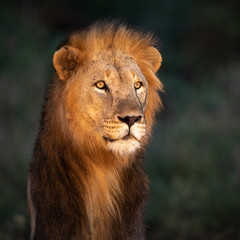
(137, 85)
(100, 84)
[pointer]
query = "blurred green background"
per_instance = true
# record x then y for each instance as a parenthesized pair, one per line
(193, 160)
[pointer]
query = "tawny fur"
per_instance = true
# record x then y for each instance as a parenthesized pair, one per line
(79, 187)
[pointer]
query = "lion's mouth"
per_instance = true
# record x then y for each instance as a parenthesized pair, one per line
(127, 137)
(109, 139)
(124, 145)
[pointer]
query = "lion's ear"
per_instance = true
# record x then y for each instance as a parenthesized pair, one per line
(154, 57)
(65, 61)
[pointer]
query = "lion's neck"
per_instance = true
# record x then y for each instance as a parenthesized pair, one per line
(104, 193)
(103, 188)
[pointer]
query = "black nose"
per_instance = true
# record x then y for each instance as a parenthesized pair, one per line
(130, 120)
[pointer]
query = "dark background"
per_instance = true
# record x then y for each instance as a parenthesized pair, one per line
(193, 160)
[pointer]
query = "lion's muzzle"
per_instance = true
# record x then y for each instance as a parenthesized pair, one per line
(124, 134)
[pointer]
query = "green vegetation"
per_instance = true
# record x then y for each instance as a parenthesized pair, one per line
(193, 160)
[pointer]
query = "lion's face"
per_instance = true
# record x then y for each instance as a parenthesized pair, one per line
(112, 100)
(105, 96)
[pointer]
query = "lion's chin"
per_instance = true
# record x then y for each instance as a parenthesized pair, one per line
(124, 146)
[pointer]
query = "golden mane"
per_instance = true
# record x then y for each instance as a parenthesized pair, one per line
(78, 189)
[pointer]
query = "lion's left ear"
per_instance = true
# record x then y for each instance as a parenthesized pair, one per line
(65, 61)
(154, 57)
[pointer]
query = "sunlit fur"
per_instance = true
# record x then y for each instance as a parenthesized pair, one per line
(78, 188)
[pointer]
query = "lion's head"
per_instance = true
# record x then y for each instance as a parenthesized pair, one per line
(109, 86)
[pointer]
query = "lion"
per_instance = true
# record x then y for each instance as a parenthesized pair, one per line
(86, 178)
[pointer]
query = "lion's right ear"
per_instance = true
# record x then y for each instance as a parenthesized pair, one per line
(154, 57)
(65, 61)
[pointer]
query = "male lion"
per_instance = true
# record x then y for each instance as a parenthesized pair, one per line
(86, 179)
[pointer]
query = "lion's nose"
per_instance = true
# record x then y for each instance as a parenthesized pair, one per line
(130, 120)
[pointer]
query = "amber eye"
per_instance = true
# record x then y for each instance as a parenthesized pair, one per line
(100, 84)
(137, 85)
